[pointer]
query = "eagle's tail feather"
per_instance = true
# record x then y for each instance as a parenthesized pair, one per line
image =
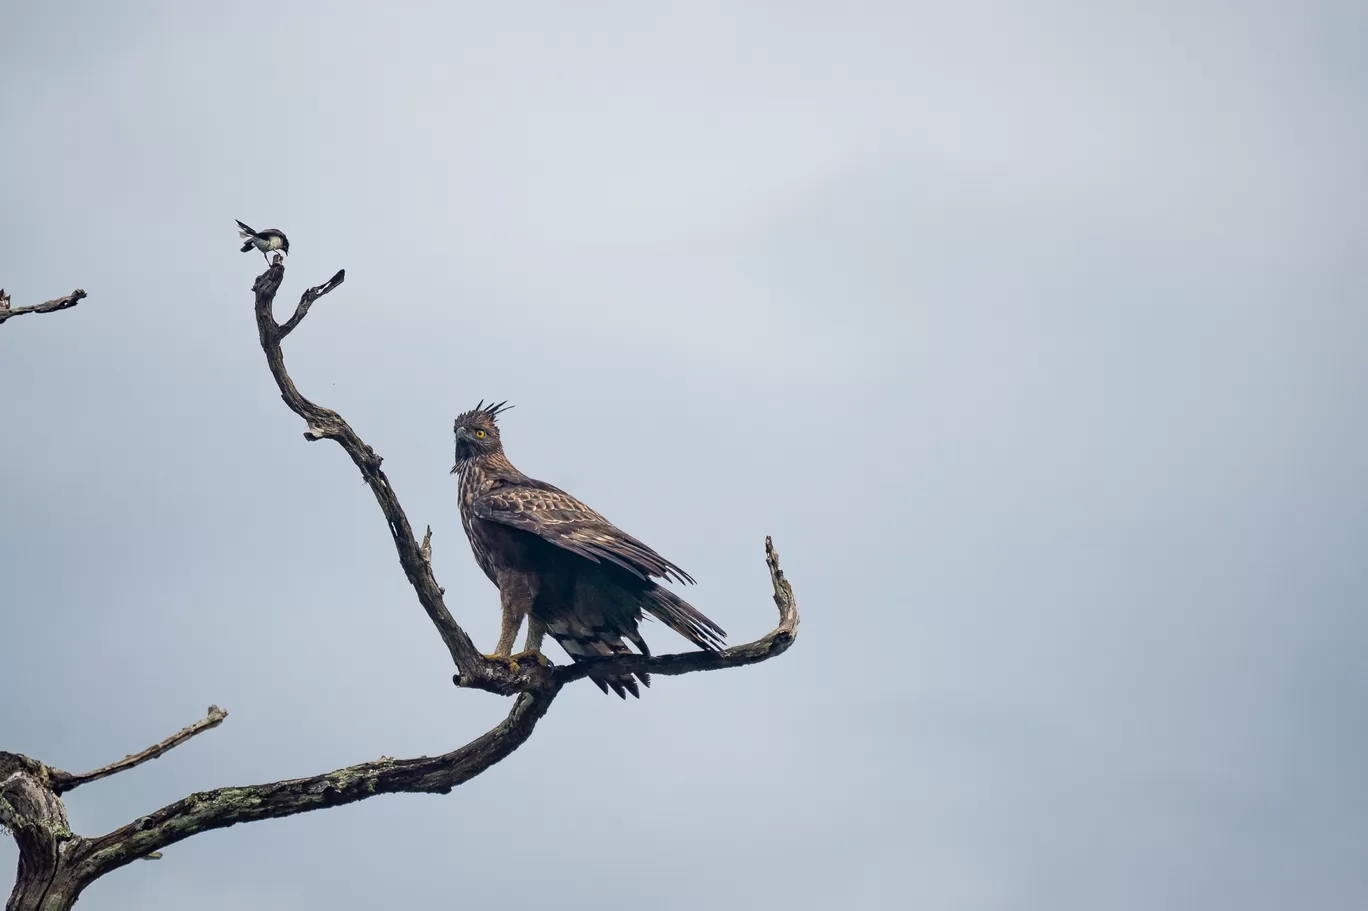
(580, 642)
(682, 617)
(635, 636)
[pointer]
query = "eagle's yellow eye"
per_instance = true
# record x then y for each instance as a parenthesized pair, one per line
(479, 435)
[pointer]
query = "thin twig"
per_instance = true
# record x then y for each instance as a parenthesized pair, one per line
(61, 303)
(65, 781)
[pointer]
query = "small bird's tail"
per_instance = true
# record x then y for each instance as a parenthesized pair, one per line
(682, 617)
(244, 231)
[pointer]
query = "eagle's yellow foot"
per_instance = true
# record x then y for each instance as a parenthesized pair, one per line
(505, 659)
(535, 656)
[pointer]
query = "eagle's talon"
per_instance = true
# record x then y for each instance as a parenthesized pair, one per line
(506, 660)
(536, 656)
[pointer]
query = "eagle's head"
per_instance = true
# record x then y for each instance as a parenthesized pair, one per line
(477, 433)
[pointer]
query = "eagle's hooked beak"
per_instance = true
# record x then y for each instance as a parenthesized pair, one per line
(462, 435)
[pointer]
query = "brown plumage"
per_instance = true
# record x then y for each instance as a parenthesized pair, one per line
(569, 570)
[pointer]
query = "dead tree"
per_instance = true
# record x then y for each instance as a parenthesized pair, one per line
(56, 864)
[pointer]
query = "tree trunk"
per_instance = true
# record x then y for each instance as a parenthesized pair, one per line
(32, 811)
(41, 893)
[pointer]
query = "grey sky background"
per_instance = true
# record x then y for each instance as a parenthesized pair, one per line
(1033, 333)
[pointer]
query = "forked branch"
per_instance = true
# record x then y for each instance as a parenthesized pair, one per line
(223, 807)
(324, 423)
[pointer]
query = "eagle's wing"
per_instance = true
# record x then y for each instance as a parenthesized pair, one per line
(557, 517)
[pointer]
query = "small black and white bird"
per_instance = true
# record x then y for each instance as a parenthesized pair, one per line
(265, 241)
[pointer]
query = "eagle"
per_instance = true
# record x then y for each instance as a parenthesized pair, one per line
(566, 568)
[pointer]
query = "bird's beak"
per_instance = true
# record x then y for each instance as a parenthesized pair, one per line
(462, 435)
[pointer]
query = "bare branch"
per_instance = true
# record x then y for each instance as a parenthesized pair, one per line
(225, 807)
(307, 300)
(61, 303)
(324, 423)
(775, 643)
(65, 781)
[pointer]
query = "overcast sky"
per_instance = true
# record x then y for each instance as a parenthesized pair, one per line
(1033, 333)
